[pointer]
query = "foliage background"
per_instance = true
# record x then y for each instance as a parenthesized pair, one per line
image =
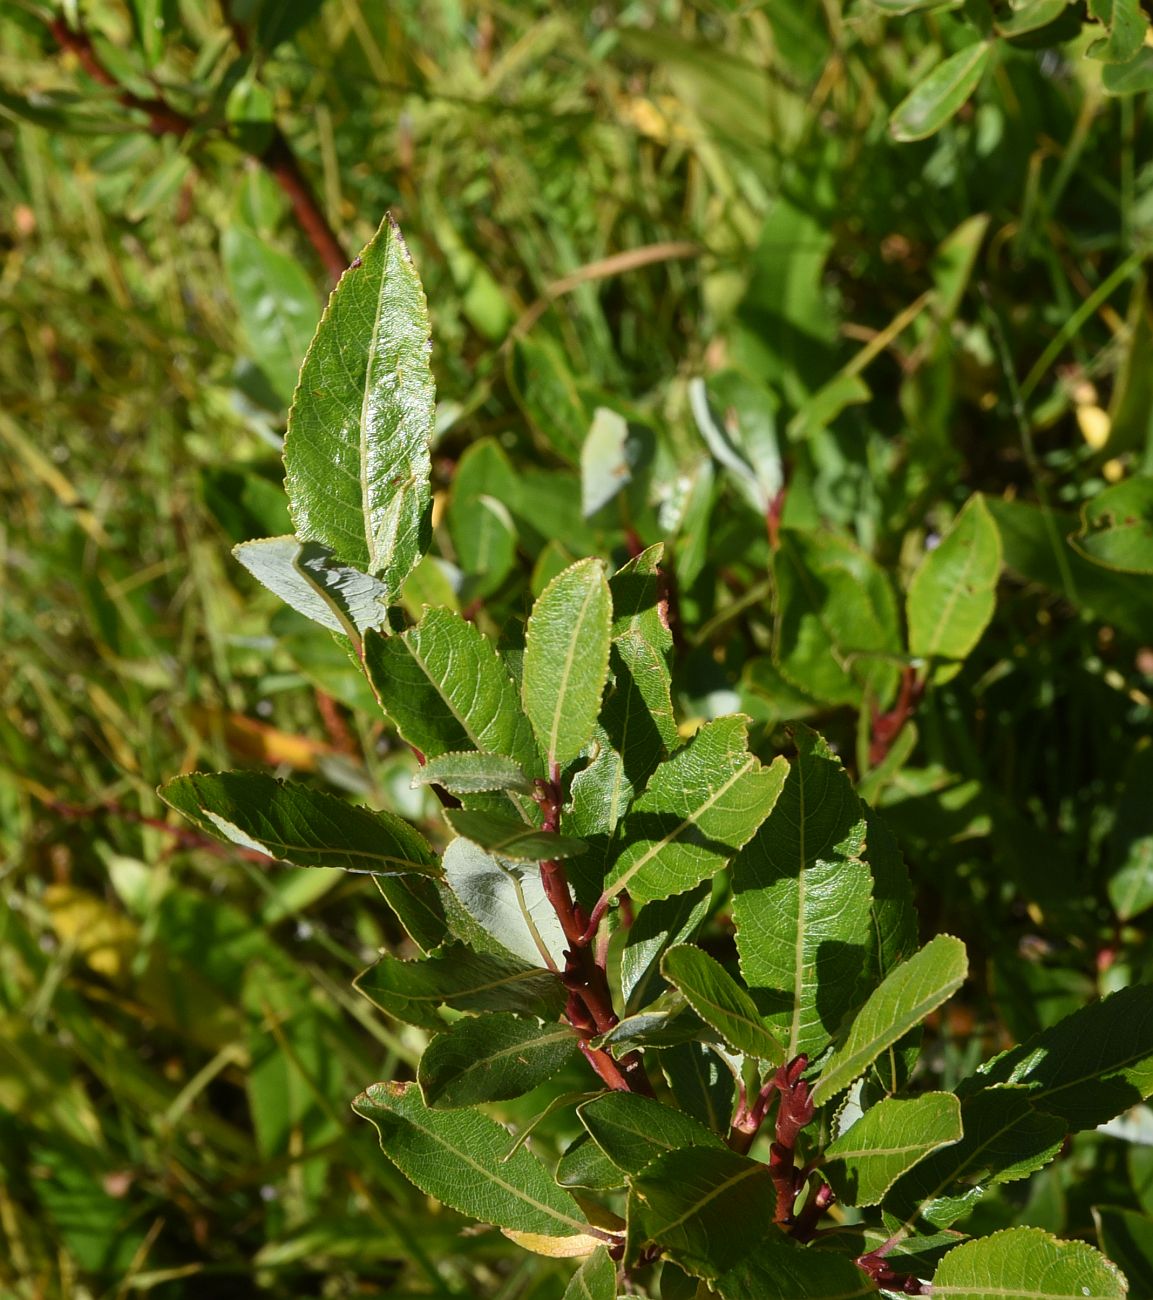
(604, 202)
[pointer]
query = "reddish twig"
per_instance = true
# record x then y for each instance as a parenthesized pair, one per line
(887, 726)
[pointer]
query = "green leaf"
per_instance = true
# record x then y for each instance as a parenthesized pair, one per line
(1027, 1264)
(659, 925)
(444, 686)
(509, 838)
(596, 1279)
(699, 1204)
(698, 809)
(464, 980)
(837, 632)
(1129, 850)
(1130, 78)
(507, 900)
(801, 895)
(605, 462)
(632, 1130)
(954, 591)
(1030, 16)
(903, 999)
(894, 929)
(305, 576)
(1003, 1139)
(721, 1002)
(298, 824)
(780, 1270)
(889, 1139)
(462, 1158)
(1127, 27)
(278, 305)
(701, 1082)
(585, 1165)
(931, 103)
(907, 6)
(1117, 527)
(566, 660)
(664, 1023)
(470, 772)
(357, 451)
(484, 537)
(1090, 1066)
(641, 700)
(492, 1058)
(418, 903)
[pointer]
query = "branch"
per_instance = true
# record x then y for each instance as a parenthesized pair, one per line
(278, 158)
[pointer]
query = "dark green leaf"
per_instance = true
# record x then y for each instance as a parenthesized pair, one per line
(702, 1084)
(357, 451)
(632, 1130)
(464, 980)
(298, 824)
(1126, 1236)
(462, 1158)
(509, 838)
(780, 1270)
(801, 897)
(660, 924)
(585, 1165)
(492, 1058)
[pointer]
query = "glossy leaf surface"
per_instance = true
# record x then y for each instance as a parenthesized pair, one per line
(492, 1058)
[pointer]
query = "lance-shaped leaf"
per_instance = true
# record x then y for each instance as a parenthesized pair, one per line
(801, 895)
(699, 807)
(633, 1130)
(418, 902)
(894, 929)
(643, 644)
(721, 1002)
(585, 1165)
(509, 838)
(471, 772)
(306, 576)
(1129, 853)
(954, 591)
(1117, 527)
(932, 102)
(780, 1270)
(1124, 1236)
(596, 1279)
(701, 1082)
(600, 794)
(462, 1158)
(507, 900)
(1003, 1139)
(492, 1058)
(889, 1139)
(297, 824)
(903, 999)
(464, 980)
(1087, 1068)
(659, 925)
(566, 660)
(698, 1204)
(356, 455)
(444, 686)
(664, 1023)
(1027, 1264)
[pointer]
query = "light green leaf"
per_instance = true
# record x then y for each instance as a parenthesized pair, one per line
(462, 1158)
(837, 631)
(954, 591)
(470, 772)
(596, 1279)
(1126, 25)
(507, 900)
(464, 980)
(904, 998)
(929, 105)
(1129, 851)
(889, 1139)
(1132, 77)
(632, 1130)
(492, 1058)
(1117, 527)
(721, 1002)
(605, 467)
(780, 1270)
(307, 577)
(1030, 16)
(801, 902)
(485, 537)
(699, 808)
(1088, 1067)
(357, 451)
(699, 1203)
(566, 660)
(1003, 1139)
(1027, 1264)
(509, 838)
(444, 686)
(907, 6)
(278, 305)
(297, 824)
(659, 925)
